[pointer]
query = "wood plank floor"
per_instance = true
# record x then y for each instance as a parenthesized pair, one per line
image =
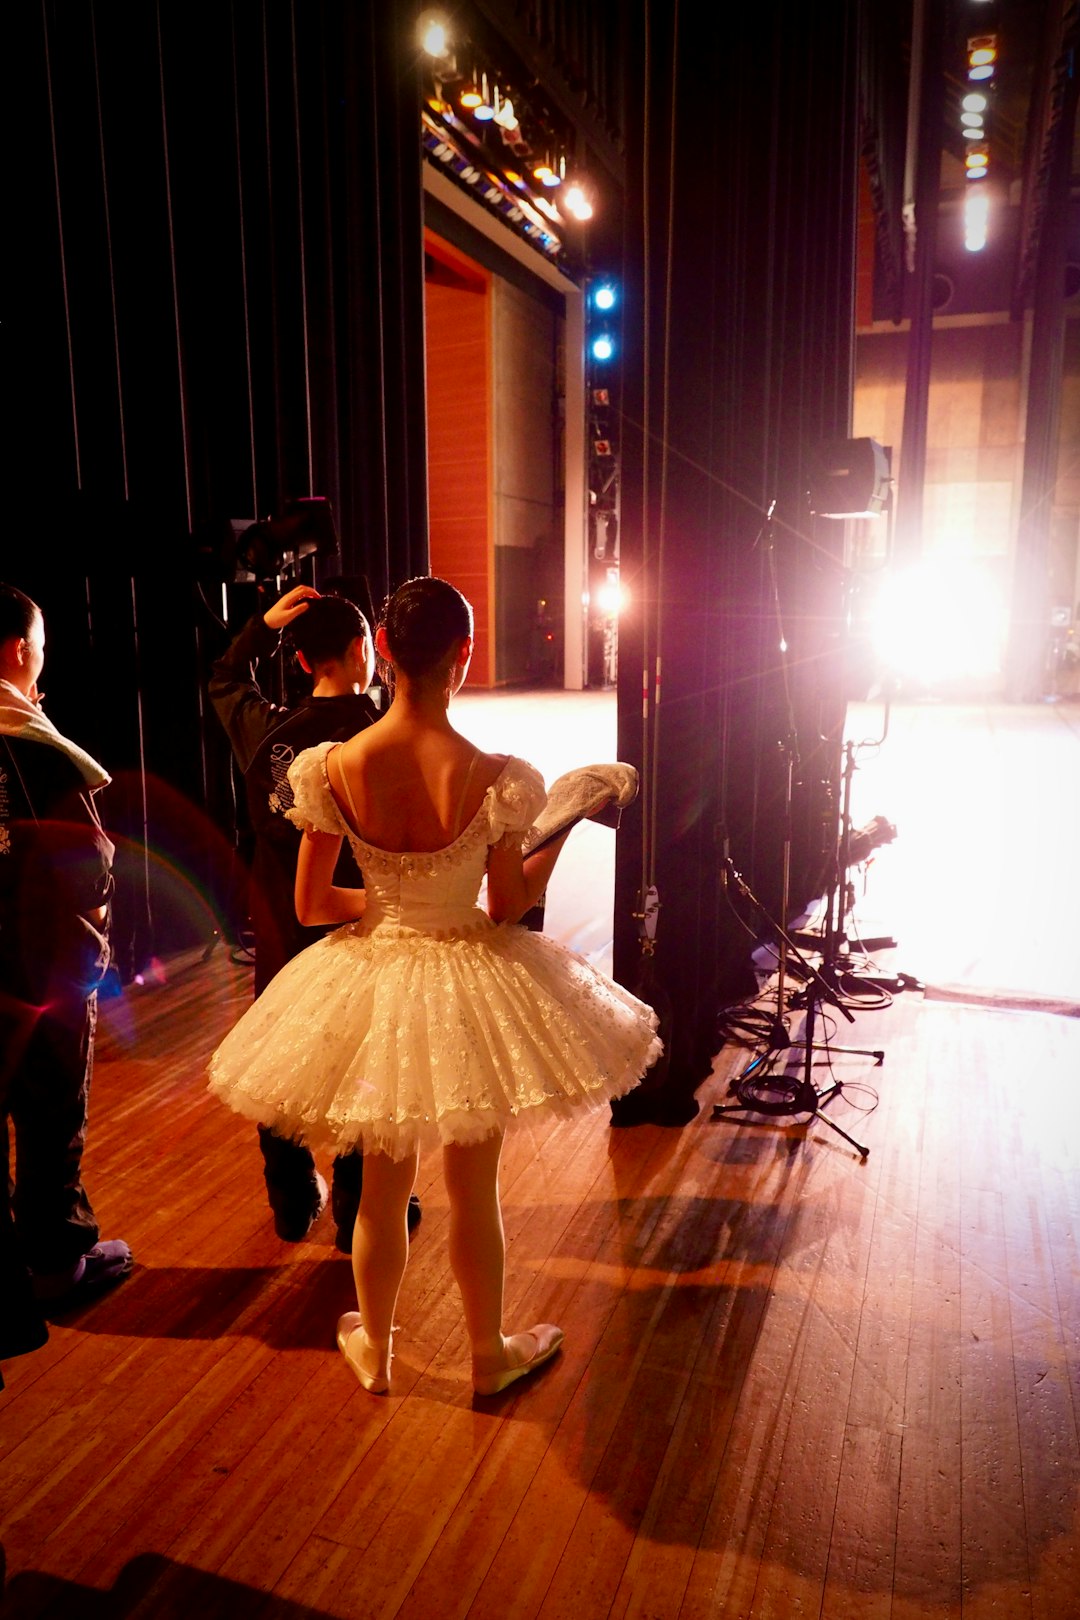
(794, 1383)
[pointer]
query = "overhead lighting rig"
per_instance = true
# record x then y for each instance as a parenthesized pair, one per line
(975, 105)
(477, 119)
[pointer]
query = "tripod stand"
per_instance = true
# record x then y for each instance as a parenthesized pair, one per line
(758, 1088)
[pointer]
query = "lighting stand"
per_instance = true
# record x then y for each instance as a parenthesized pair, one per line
(832, 941)
(788, 1094)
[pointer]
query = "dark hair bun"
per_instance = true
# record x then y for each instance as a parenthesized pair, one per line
(422, 620)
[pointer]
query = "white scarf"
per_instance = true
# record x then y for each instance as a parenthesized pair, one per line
(21, 718)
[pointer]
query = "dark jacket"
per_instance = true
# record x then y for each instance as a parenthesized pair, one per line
(266, 738)
(55, 867)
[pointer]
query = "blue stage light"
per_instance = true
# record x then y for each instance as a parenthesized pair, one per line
(603, 347)
(605, 296)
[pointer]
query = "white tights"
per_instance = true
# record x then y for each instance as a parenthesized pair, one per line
(477, 1248)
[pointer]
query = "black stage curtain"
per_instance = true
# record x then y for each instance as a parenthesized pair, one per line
(219, 296)
(739, 353)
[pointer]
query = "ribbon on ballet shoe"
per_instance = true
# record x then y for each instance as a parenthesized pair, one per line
(590, 793)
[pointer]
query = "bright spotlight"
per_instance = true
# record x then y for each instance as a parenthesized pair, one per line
(603, 347)
(941, 620)
(434, 34)
(611, 598)
(576, 202)
(605, 297)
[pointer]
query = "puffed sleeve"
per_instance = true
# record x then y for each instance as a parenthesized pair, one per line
(313, 808)
(514, 801)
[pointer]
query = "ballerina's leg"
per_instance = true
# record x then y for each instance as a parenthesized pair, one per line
(381, 1246)
(477, 1258)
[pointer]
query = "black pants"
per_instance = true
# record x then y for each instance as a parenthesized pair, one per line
(289, 1171)
(45, 1071)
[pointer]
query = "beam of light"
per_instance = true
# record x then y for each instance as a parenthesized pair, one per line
(939, 620)
(612, 599)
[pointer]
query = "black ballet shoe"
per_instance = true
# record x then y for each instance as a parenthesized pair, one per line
(548, 1338)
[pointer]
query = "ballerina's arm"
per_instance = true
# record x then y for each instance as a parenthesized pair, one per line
(318, 899)
(515, 885)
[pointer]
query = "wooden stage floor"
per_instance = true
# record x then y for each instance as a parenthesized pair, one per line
(794, 1383)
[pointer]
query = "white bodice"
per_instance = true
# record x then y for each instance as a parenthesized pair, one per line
(430, 892)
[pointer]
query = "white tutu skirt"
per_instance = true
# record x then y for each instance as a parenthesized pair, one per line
(392, 1039)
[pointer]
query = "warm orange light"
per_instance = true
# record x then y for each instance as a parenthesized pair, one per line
(981, 57)
(977, 160)
(471, 97)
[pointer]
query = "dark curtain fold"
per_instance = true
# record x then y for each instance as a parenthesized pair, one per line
(220, 308)
(739, 362)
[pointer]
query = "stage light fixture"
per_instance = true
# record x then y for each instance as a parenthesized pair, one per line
(576, 201)
(974, 134)
(942, 619)
(603, 347)
(981, 57)
(974, 103)
(972, 120)
(605, 296)
(470, 97)
(433, 31)
(505, 116)
(611, 598)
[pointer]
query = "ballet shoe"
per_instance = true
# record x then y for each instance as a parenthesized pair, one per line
(548, 1340)
(376, 1383)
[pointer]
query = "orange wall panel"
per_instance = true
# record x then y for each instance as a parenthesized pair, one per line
(458, 334)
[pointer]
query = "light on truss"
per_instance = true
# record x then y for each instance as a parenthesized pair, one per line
(605, 296)
(575, 200)
(434, 34)
(603, 346)
(976, 218)
(981, 56)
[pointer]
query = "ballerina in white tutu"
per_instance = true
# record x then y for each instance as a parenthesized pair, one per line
(423, 1019)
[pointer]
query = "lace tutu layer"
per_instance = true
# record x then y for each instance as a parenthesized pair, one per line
(394, 1039)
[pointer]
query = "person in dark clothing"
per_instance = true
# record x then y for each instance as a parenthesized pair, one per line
(334, 645)
(55, 887)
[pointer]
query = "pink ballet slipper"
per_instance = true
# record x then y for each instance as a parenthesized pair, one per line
(374, 1376)
(548, 1339)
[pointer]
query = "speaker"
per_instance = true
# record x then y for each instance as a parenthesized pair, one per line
(849, 478)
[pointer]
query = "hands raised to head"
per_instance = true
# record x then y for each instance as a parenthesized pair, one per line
(289, 607)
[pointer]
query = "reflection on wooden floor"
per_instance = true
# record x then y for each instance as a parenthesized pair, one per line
(793, 1383)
